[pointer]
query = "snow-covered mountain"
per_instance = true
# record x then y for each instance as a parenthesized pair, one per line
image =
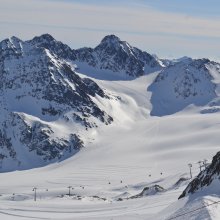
(41, 94)
(57, 47)
(44, 103)
(119, 56)
(47, 106)
(100, 106)
(186, 82)
(111, 54)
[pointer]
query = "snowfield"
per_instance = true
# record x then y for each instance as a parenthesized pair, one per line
(119, 160)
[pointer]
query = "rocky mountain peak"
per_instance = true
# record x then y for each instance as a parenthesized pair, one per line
(56, 47)
(11, 47)
(112, 45)
(110, 40)
(44, 38)
(10, 42)
(118, 56)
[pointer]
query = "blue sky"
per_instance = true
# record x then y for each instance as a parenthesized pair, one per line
(208, 8)
(201, 8)
(168, 28)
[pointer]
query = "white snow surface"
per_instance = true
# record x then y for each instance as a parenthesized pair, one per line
(119, 161)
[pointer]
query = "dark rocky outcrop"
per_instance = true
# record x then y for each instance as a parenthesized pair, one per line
(118, 56)
(205, 178)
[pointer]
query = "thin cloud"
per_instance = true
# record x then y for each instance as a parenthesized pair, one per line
(154, 27)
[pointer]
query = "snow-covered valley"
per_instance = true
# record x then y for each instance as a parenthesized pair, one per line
(134, 167)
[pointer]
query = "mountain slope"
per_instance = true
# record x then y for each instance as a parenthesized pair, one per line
(118, 56)
(44, 106)
(188, 82)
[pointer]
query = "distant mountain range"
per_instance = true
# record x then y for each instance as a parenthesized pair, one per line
(48, 108)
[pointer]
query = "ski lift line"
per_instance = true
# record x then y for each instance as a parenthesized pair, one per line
(202, 207)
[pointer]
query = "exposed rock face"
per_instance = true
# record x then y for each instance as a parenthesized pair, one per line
(56, 47)
(205, 178)
(118, 56)
(43, 103)
(147, 191)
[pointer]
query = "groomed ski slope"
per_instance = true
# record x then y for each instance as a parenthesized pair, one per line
(136, 151)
